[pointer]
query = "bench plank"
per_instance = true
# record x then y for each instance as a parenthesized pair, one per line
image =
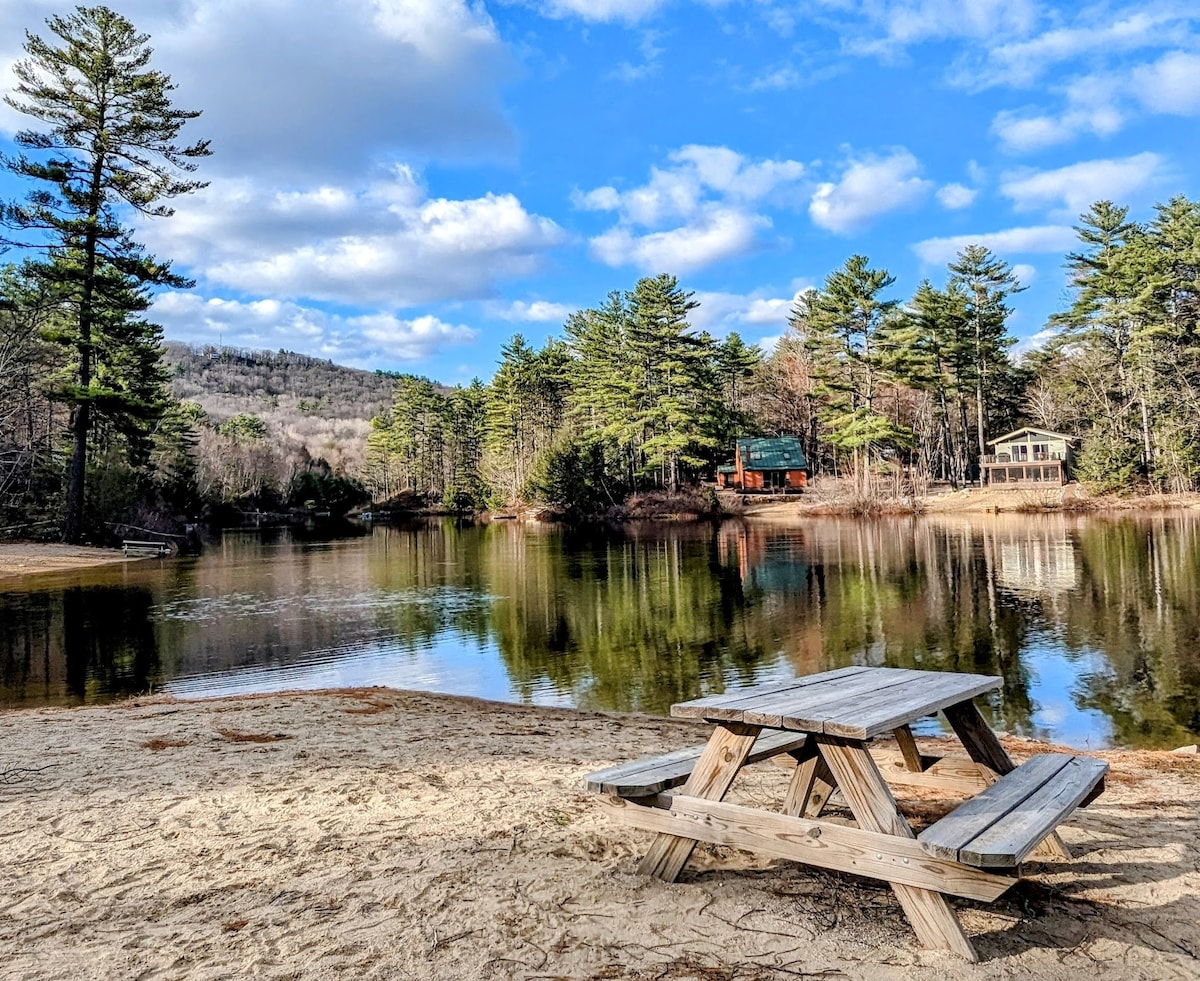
(654, 774)
(1007, 843)
(1003, 824)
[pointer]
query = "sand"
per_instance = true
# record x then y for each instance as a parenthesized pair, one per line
(384, 834)
(31, 558)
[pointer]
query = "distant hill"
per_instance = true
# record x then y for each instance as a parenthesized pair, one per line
(305, 402)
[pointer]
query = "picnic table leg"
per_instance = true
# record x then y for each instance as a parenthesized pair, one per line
(811, 785)
(711, 778)
(909, 750)
(871, 801)
(983, 747)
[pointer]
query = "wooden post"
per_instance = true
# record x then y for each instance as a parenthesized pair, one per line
(872, 803)
(908, 748)
(811, 785)
(724, 755)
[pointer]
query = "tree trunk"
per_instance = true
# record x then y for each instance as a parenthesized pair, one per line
(77, 475)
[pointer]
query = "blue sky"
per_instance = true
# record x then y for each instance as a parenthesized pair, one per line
(404, 184)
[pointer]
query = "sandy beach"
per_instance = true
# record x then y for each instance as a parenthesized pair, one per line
(384, 834)
(31, 558)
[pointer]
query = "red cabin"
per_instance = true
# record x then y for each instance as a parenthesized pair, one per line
(775, 463)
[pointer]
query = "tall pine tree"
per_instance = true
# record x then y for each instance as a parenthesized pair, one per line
(107, 147)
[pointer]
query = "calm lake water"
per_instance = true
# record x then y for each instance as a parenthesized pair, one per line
(1093, 622)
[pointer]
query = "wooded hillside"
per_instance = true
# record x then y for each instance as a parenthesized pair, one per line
(306, 404)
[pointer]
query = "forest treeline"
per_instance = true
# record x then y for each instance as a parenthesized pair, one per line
(888, 392)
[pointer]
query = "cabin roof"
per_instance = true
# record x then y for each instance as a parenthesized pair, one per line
(772, 453)
(728, 468)
(1033, 431)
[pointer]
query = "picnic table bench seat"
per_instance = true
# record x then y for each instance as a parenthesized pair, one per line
(654, 774)
(1001, 826)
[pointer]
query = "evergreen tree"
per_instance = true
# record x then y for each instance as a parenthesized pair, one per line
(847, 327)
(108, 145)
(671, 365)
(986, 281)
(1116, 312)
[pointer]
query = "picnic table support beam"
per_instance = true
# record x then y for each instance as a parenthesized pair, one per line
(811, 784)
(871, 801)
(984, 747)
(908, 749)
(723, 756)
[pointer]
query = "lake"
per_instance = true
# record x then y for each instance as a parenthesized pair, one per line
(1092, 621)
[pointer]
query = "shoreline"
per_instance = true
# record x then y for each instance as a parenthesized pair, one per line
(377, 833)
(35, 558)
(22, 558)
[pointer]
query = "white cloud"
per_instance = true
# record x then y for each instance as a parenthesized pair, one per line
(389, 245)
(1071, 190)
(713, 235)
(368, 341)
(720, 313)
(291, 87)
(602, 10)
(1170, 85)
(700, 209)
(1022, 62)
(1010, 241)
(868, 188)
(956, 196)
(1025, 273)
(1034, 342)
(777, 79)
(1092, 106)
(533, 311)
(885, 27)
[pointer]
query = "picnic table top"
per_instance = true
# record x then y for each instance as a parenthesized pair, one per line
(854, 702)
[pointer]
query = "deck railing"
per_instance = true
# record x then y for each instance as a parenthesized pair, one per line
(1006, 458)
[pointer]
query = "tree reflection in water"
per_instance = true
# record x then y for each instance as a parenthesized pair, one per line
(1093, 622)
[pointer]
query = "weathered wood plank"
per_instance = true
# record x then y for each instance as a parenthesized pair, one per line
(729, 706)
(1005, 823)
(724, 754)
(807, 710)
(984, 747)
(1007, 842)
(973, 817)
(906, 703)
(651, 775)
(977, 737)
(908, 749)
(872, 804)
(951, 773)
(810, 786)
(817, 843)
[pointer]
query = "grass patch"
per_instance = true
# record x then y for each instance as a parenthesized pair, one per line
(234, 736)
(161, 744)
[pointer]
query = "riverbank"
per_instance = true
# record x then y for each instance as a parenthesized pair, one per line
(30, 558)
(832, 502)
(383, 834)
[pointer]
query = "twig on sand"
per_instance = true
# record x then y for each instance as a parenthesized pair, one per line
(18, 773)
(446, 941)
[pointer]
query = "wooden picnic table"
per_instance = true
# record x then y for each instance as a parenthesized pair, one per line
(825, 724)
